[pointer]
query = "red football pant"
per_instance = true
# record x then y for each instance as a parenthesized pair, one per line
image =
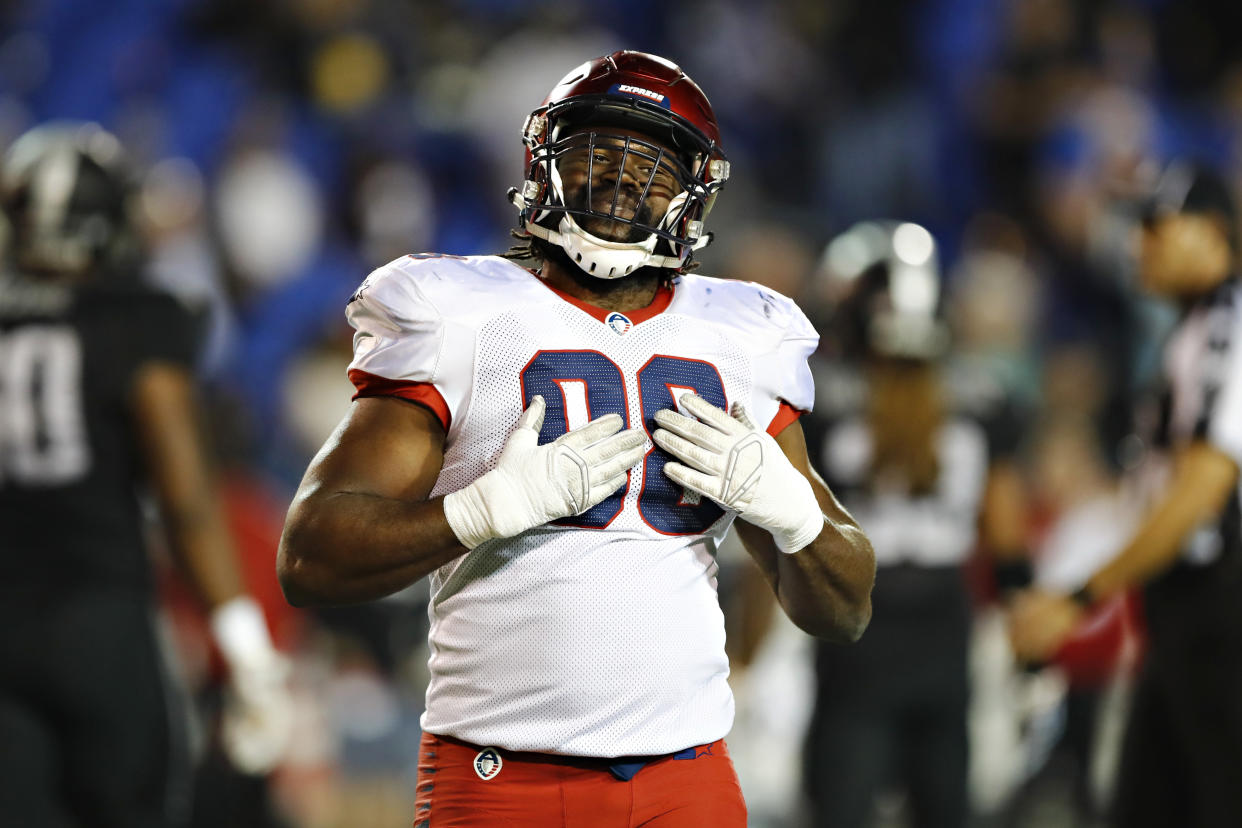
(540, 790)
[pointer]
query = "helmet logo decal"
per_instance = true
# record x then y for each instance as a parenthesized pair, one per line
(487, 763)
(619, 322)
(640, 92)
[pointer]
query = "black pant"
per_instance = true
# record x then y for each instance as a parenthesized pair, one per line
(85, 735)
(891, 709)
(1182, 756)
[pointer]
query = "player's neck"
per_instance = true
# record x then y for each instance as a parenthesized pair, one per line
(638, 290)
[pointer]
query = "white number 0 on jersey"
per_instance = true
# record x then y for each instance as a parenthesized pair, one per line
(42, 425)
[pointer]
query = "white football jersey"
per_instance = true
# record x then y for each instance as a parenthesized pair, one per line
(601, 634)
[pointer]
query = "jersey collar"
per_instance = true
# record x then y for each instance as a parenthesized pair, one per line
(663, 298)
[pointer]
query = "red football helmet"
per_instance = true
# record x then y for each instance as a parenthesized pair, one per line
(667, 132)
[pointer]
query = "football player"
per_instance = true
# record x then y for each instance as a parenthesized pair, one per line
(96, 396)
(561, 450)
(926, 464)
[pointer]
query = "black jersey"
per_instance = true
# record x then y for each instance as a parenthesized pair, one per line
(70, 462)
(937, 528)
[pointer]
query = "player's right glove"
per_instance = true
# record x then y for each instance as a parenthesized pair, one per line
(534, 484)
(257, 721)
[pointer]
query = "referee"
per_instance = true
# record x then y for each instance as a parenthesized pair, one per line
(1182, 756)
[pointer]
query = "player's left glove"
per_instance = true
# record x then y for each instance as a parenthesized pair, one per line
(739, 465)
(257, 722)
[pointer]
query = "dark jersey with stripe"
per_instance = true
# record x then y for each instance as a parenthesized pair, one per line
(1202, 401)
(70, 461)
(1198, 598)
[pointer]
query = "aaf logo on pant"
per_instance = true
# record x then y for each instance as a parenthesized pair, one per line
(487, 763)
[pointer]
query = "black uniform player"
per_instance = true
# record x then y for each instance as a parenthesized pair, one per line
(1182, 756)
(95, 400)
(923, 464)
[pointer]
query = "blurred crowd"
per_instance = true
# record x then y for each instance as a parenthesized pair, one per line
(288, 147)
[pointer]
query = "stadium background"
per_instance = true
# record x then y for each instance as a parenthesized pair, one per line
(288, 147)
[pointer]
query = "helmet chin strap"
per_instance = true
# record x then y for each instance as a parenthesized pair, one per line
(601, 258)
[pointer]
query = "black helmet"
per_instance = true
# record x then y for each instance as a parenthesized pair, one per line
(65, 190)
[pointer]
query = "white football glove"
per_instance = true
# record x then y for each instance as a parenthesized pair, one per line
(737, 464)
(533, 484)
(256, 726)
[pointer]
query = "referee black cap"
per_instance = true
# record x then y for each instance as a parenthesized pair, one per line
(1190, 187)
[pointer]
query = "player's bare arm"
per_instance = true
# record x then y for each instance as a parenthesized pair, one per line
(818, 561)
(370, 480)
(256, 725)
(825, 587)
(167, 425)
(374, 476)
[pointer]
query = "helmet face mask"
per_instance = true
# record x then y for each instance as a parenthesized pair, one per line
(617, 175)
(618, 187)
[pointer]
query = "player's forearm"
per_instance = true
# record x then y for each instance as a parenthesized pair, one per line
(200, 542)
(824, 588)
(178, 463)
(828, 583)
(346, 547)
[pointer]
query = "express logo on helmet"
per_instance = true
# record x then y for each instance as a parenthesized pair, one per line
(639, 92)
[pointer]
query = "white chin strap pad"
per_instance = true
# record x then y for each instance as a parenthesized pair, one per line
(598, 257)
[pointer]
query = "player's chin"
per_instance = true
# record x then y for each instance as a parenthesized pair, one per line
(615, 230)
